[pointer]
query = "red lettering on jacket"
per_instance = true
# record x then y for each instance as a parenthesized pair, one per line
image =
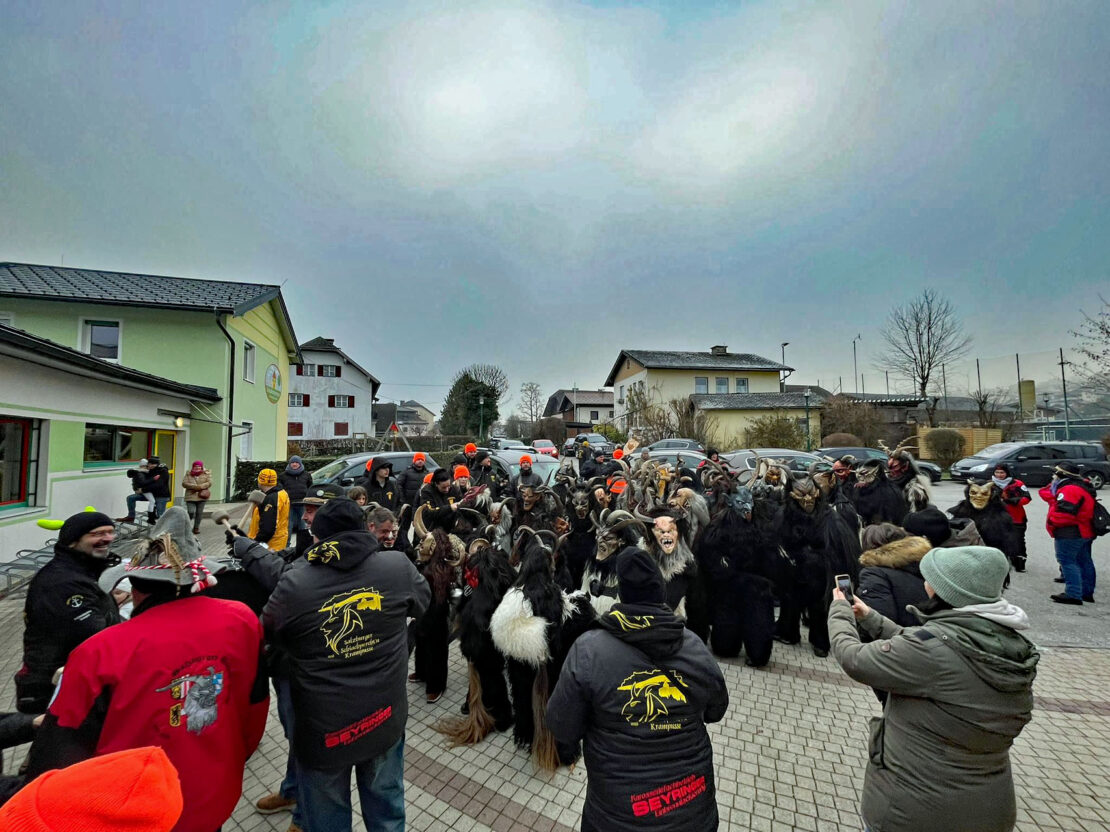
(667, 798)
(358, 730)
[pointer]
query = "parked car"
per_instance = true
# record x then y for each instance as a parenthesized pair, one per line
(690, 458)
(932, 469)
(596, 440)
(501, 443)
(1032, 462)
(676, 445)
(345, 470)
(798, 462)
(508, 464)
(546, 447)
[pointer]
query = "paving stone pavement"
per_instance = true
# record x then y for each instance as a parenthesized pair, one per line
(789, 753)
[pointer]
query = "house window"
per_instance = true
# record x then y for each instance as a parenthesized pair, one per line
(15, 444)
(701, 384)
(296, 429)
(610, 414)
(248, 361)
(722, 384)
(246, 441)
(101, 339)
(330, 370)
(341, 401)
(594, 416)
(741, 385)
(112, 443)
(621, 395)
(306, 369)
(342, 428)
(298, 399)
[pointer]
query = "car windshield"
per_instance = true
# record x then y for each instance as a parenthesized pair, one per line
(543, 443)
(544, 467)
(330, 470)
(995, 450)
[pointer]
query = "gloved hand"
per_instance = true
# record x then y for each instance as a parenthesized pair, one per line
(241, 546)
(230, 537)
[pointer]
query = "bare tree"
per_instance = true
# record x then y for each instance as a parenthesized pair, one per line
(988, 403)
(922, 335)
(488, 374)
(531, 402)
(1094, 345)
(842, 414)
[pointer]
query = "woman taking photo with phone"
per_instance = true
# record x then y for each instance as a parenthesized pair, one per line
(961, 690)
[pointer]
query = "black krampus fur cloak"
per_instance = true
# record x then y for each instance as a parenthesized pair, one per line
(735, 560)
(993, 522)
(685, 592)
(877, 499)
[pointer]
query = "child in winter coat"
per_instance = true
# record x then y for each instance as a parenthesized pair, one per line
(1015, 496)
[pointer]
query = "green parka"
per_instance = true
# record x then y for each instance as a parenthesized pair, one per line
(961, 690)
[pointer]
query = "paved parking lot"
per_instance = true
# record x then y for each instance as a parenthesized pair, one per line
(790, 752)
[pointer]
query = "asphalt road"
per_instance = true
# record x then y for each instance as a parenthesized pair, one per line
(1054, 625)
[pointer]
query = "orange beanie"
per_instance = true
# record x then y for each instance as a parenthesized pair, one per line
(462, 471)
(470, 448)
(419, 457)
(618, 454)
(129, 791)
(525, 460)
(427, 478)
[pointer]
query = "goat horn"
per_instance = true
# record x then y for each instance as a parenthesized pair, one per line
(418, 523)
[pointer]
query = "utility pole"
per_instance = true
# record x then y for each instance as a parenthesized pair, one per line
(1021, 409)
(979, 379)
(1064, 382)
(782, 381)
(855, 370)
(481, 415)
(888, 382)
(944, 387)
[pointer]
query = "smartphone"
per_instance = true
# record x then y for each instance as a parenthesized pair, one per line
(844, 584)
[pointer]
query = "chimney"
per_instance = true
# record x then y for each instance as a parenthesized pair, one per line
(719, 350)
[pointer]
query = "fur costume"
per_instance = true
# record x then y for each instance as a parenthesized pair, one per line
(816, 544)
(487, 577)
(578, 545)
(982, 504)
(877, 499)
(533, 627)
(735, 558)
(685, 593)
(438, 556)
(916, 486)
(616, 530)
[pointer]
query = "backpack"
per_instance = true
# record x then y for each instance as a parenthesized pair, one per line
(1100, 520)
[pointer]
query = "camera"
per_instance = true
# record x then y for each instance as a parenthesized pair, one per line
(844, 584)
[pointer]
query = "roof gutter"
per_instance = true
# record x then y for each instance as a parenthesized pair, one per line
(230, 407)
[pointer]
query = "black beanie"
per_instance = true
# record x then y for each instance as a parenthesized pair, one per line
(639, 580)
(81, 524)
(929, 523)
(340, 514)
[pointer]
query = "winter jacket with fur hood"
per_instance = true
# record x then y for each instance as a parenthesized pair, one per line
(639, 690)
(340, 613)
(890, 579)
(961, 690)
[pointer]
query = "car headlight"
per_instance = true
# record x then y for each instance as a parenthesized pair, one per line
(979, 468)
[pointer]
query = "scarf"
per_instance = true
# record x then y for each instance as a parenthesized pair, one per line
(1003, 484)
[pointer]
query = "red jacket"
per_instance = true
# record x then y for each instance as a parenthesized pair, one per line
(185, 675)
(1070, 509)
(1015, 497)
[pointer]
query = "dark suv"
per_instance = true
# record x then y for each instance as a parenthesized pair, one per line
(1032, 462)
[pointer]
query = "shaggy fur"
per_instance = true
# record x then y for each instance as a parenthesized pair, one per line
(897, 553)
(879, 501)
(994, 524)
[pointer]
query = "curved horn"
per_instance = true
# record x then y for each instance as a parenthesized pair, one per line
(643, 518)
(418, 523)
(476, 544)
(476, 517)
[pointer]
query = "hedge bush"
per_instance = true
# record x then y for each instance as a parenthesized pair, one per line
(946, 445)
(841, 440)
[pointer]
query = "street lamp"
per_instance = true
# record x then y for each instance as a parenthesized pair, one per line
(855, 371)
(481, 415)
(782, 381)
(809, 441)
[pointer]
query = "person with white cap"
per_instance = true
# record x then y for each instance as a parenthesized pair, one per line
(960, 691)
(185, 673)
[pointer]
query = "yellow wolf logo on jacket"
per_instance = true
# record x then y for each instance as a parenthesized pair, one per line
(343, 625)
(647, 692)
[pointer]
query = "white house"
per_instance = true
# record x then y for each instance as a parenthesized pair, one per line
(330, 397)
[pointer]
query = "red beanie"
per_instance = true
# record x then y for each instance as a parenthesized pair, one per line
(419, 457)
(427, 478)
(618, 453)
(462, 471)
(525, 459)
(470, 448)
(129, 791)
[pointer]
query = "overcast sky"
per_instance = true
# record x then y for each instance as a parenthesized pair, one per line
(539, 185)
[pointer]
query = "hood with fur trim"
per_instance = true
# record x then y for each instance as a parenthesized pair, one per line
(897, 553)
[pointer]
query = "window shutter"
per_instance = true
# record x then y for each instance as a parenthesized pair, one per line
(350, 401)
(300, 370)
(338, 371)
(331, 401)
(304, 400)
(319, 369)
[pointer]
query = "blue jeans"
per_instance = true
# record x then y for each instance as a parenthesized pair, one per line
(290, 786)
(1077, 566)
(136, 498)
(296, 518)
(326, 794)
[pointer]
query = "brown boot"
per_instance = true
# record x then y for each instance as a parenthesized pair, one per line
(272, 803)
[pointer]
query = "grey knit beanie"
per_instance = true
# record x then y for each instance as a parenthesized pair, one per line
(966, 575)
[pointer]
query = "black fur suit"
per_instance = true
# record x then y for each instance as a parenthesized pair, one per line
(994, 523)
(487, 577)
(734, 557)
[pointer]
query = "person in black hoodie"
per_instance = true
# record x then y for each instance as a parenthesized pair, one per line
(341, 615)
(640, 690)
(380, 485)
(296, 481)
(158, 483)
(65, 605)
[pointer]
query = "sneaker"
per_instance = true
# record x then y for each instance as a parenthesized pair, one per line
(414, 678)
(433, 697)
(130, 519)
(1088, 599)
(1066, 599)
(294, 828)
(1057, 580)
(272, 803)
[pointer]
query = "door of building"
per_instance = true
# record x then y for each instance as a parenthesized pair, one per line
(165, 448)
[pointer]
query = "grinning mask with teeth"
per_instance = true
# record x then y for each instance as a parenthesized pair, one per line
(869, 472)
(529, 497)
(602, 496)
(666, 534)
(979, 495)
(805, 494)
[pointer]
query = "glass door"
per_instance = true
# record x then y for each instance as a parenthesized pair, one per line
(165, 448)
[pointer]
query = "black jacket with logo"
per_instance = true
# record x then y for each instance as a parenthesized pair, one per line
(341, 614)
(387, 494)
(639, 690)
(438, 511)
(65, 605)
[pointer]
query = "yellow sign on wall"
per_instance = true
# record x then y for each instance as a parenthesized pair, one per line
(272, 383)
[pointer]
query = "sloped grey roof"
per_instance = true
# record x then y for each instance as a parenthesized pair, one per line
(754, 401)
(669, 360)
(563, 400)
(321, 344)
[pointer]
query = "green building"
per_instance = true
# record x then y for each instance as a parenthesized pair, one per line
(99, 369)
